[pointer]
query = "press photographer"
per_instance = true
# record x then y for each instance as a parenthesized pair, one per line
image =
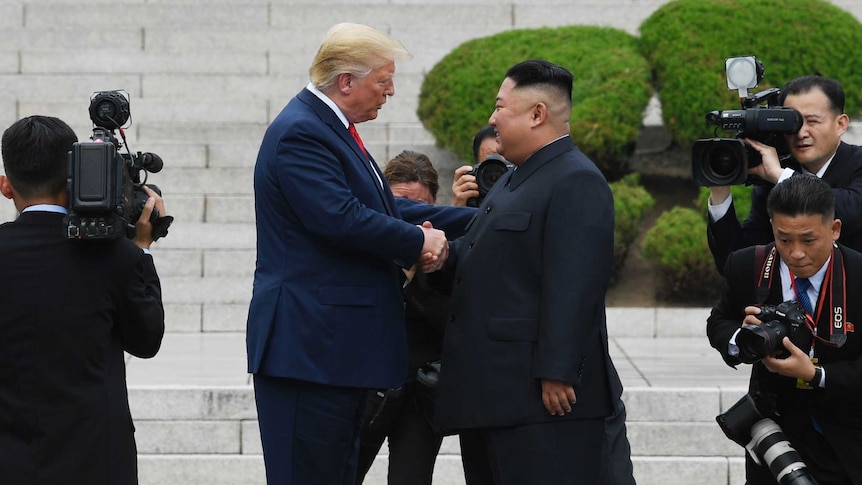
(69, 313)
(810, 386)
(816, 148)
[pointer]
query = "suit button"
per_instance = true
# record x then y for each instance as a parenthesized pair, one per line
(487, 209)
(470, 246)
(451, 318)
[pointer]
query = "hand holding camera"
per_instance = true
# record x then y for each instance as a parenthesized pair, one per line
(764, 329)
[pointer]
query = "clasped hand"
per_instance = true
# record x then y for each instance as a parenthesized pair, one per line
(435, 249)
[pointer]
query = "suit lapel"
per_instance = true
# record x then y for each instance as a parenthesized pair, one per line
(539, 159)
(368, 164)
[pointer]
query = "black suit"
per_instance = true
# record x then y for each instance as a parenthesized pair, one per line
(68, 311)
(844, 175)
(837, 408)
(529, 304)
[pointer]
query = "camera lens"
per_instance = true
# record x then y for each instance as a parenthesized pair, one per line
(488, 172)
(758, 341)
(722, 162)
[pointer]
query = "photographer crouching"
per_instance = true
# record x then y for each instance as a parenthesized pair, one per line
(806, 374)
(69, 310)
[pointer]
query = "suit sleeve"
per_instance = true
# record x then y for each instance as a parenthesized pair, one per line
(314, 180)
(451, 220)
(848, 188)
(727, 234)
(726, 317)
(141, 320)
(577, 259)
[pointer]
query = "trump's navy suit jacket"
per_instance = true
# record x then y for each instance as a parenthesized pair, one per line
(326, 304)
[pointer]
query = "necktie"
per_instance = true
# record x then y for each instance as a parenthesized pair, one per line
(802, 285)
(352, 129)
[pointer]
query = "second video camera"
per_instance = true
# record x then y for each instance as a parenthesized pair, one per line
(106, 195)
(487, 173)
(725, 161)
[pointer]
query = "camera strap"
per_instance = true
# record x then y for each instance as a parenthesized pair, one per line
(836, 278)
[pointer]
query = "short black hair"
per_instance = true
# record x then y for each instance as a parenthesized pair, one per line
(539, 72)
(802, 195)
(486, 132)
(830, 87)
(35, 155)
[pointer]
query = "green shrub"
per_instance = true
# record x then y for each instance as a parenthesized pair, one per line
(741, 200)
(687, 42)
(677, 244)
(631, 203)
(611, 88)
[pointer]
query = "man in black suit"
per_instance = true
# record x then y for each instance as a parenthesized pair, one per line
(816, 149)
(69, 309)
(526, 377)
(813, 394)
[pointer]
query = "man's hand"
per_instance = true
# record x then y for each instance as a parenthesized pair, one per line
(797, 365)
(143, 227)
(751, 313)
(558, 397)
(435, 249)
(464, 186)
(770, 170)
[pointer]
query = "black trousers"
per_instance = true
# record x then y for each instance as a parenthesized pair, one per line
(413, 445)
(563, 452)
(618, 452)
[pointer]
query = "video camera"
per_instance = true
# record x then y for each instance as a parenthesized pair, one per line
(487, 173)
(106, 195)
(765, 442)
(725, 161)
(786, 319)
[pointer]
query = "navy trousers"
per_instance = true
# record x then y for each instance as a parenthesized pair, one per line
(309, 431)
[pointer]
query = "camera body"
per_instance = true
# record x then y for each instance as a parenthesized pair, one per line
(106, 195)
(725, 161)
(487, 173)
(786, 319)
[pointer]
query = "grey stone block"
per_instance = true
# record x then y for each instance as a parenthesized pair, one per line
(178, 262)
(8, 212)
(185, 208)
(631, 321)
(187, 437)
(173, 14)
(382, 16)
(675, 470)
(242, 154)
(93, 61)
(230, 208)
(681, 322)
(225, 318)
(234, 289)
(11, 16)
(679, 439)
(210, 236)
(28, 39)
(9, 63)
(174, 155)
(201, 469)
(240, 262)
(182, 318)
(251, 444)
(192, 403)
(76, 88)
(207, 180)
(663, 404)
(269, 86)
(201, 132)
(627, 19)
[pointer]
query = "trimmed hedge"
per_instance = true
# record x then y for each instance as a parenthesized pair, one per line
(610, 92)
(741, 200)
(687, 42)
(631, 203)
(677, 244)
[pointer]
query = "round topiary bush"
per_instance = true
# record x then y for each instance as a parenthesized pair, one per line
(631, 203)
(677, 245)
(687, 42)
(610, 92)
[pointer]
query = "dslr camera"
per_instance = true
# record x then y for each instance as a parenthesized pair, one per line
(725, 161)
(106, 195)
(765, 442)
(786, 319)
(487, 173)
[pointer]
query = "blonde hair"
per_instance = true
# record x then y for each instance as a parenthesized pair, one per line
(354, 49)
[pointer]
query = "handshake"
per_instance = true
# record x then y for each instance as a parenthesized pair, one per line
(435, 249)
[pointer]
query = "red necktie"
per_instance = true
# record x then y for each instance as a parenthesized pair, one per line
(352, 129)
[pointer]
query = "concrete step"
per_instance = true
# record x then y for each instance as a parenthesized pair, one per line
(210, 435)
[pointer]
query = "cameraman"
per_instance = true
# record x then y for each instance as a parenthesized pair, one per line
(464, 187)
(68, 312)
(816, 149)
(816, 396)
